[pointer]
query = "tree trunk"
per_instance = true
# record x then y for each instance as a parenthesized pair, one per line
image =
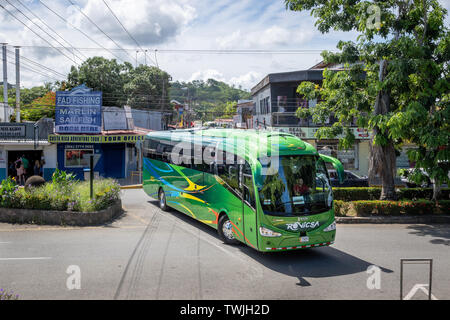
(382, 160)
(436, 189)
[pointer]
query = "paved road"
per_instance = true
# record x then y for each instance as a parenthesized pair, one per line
(150, 254)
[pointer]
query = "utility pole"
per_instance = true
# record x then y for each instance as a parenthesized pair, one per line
(17, 84)
(5, 84)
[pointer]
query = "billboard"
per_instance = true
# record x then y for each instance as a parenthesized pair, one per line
(78, 111)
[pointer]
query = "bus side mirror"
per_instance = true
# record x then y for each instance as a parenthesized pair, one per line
(337, 165)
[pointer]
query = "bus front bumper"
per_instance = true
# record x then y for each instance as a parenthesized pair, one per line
(295, 243)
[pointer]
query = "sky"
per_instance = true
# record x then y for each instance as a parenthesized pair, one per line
(169, 30)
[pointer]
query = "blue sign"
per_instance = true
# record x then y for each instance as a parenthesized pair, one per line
(78, 111)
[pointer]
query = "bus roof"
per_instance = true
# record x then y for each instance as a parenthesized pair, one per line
(248, 143)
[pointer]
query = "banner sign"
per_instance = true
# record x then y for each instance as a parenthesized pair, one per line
(95, 139)
(78, 111)
(12, 131)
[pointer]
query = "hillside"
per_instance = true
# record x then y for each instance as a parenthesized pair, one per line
(210, 99)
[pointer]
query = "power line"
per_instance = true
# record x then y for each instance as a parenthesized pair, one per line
(38, 65)
(129, 34)
(79, 30)
(87, 17)
(38, 34)
(206, 51)
(33, 70)
(43, 30)
(50, 28)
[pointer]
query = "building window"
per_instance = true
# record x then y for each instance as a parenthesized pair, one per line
(264, 105)
(77, 158)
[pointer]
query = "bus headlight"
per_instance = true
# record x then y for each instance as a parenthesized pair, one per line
(268, 233)
(331, 227)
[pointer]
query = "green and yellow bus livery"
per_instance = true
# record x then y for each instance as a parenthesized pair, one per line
(268, 190)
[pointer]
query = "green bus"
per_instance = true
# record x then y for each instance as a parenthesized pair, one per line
(269, 190)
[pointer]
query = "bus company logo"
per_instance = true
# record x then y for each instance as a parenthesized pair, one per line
(302, 225)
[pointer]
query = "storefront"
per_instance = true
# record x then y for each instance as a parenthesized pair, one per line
(115, 155)
(23, 142)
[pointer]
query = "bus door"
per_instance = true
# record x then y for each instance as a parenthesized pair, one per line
(228, 170)
(248, 205)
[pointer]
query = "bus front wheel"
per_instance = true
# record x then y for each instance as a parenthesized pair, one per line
(162, 200)
(225, 229)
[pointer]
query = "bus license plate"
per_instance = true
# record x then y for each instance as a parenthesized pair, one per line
(304, 239)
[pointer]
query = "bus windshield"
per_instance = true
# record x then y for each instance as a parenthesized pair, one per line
(296, 186)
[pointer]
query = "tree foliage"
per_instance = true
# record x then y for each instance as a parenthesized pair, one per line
(121, 84)
(210, 99)
(148, 86)
(395, 79)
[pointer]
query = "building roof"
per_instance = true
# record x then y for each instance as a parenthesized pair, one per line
(294, 76)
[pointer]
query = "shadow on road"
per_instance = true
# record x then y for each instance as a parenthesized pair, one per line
(307, 263)
(440, 233)
(321, 262)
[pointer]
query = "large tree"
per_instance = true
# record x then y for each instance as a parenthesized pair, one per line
(395, 81)
(148, 87)
(104, 75)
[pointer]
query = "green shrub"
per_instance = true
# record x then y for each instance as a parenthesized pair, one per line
(65, 194)
(363, 208)
(8, 190)
(340, 208)
(353, 194)
(374, 193)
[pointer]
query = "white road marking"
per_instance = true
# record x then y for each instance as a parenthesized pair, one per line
(4, 242)
(33, 258)
(416, 288)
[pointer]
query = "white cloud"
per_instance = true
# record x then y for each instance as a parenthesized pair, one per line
(269, 38)
(245, 81)
(149, 22)
(207, 74)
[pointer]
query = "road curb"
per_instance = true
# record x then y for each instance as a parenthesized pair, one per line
(392, 220)
(134, 186)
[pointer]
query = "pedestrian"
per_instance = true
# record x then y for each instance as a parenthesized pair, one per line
(21, 174)
(37, 168)
(12, 169)
(26, 165)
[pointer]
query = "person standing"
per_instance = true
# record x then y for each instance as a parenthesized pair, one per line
(21, 174)
(37, 168)
(26, 165)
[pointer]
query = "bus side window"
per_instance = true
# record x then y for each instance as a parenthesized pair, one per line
(249, 191)
(229, 172)
(197, 160)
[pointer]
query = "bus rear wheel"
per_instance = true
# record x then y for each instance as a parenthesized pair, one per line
(162, 200)
(225, 229)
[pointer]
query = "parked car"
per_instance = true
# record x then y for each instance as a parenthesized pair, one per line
(351, 179)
